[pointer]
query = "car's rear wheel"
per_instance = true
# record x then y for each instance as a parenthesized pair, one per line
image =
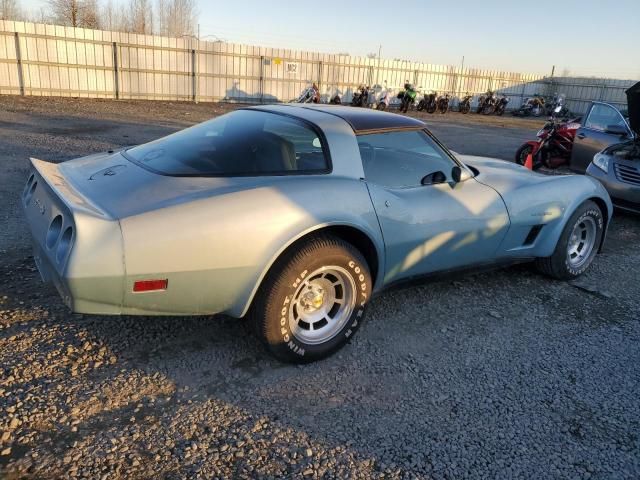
(313, 300)
(578, 244)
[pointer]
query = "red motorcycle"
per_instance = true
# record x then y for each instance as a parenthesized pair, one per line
(554, 144)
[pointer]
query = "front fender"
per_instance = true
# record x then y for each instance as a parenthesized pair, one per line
(535, 146)
(549, 204)
(533, 199)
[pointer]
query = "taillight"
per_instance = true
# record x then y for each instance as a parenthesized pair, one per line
(64, 245)
(53, 233)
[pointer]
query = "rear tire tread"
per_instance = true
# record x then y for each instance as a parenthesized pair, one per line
(275, 281)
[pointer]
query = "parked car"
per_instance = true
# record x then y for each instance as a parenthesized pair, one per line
(603, 125)
(618, 166)
(295, 215)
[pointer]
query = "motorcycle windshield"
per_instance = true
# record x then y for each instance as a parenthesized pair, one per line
(633, 104)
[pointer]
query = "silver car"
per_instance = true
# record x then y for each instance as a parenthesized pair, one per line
(295, 215)
(617, 166)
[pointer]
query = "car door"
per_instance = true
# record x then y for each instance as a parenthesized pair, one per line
(594, 134)
(429, 222)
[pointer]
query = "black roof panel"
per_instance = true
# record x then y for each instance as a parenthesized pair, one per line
(364, 120)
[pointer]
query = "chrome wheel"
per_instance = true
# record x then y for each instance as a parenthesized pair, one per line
(322, 305)
(581, 242)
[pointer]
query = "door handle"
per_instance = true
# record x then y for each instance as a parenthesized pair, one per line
(581, 136)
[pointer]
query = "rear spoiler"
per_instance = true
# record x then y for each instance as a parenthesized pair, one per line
(55, 179)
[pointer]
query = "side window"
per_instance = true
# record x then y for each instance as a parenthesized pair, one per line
(306, 144)
(243, 142)
(601, 116)
(401, 159)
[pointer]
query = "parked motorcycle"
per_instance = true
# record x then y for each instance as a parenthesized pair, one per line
(465, 104)
(490, 104)
(428, 103)
(443, 103)
(553, 146)
(407, 97)
(501, 105)
(533, 106)
(310, 94)
(558, 101)
(384, 100)
(484, 100)
(361, 97)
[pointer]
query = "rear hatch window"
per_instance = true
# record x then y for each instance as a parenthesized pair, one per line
(241, 143)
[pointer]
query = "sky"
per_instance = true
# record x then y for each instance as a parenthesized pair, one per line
(579, 37)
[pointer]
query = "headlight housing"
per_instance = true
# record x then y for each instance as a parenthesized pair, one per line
(601, 161)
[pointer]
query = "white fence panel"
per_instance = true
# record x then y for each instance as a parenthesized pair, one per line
(38, 59)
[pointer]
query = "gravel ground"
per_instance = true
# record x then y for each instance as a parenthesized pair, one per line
(503, 374)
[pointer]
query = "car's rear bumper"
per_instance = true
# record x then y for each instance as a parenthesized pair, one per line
(49, 274)
(625, 196)
(75, 246)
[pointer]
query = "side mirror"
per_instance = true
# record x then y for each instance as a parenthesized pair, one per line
(456, 174)
(616, 130)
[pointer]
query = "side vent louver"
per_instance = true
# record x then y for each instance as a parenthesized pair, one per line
(533, 234)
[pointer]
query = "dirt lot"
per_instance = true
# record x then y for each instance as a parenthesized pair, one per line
(503, 375)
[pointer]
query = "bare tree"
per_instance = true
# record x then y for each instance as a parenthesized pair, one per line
(89, 17)
(9, 10)
(109, 16)
(39, 15)
(140, 16)
(177, 18)
(67, 12)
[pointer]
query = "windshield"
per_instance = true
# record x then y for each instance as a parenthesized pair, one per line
(241, 143)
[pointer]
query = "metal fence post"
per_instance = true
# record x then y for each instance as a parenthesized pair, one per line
(116, 79)
(603, 89)
(261, 81)
(19, 63)
(194, 78)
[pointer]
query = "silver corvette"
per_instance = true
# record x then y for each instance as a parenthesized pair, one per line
(295, 215)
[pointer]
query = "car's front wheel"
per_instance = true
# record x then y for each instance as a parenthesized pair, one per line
(313, 300)
(578, 244)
